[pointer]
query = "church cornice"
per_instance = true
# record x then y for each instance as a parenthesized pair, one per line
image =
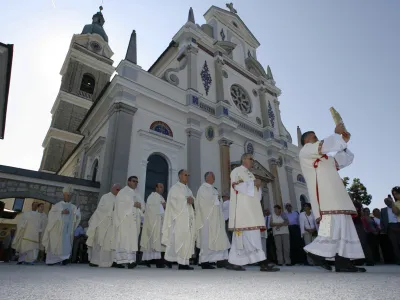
(61, 135)
(70, 98)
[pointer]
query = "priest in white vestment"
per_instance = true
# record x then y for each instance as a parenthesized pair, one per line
(150, 243)
(26, 240)
(210, 224)
(58, 236)
(246, 218)
(43, 224)
(128, 211)
(337, 237)
(178, 232)
(100, 231)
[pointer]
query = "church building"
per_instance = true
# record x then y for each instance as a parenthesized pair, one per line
(202, 104)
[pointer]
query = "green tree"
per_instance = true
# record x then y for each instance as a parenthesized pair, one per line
(357, 191)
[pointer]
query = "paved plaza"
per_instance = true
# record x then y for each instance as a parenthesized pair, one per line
(298, 282)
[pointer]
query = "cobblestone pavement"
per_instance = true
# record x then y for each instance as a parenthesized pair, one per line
(81, 282)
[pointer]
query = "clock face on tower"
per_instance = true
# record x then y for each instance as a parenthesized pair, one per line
(95, 46)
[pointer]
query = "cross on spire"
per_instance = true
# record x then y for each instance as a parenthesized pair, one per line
(231, 8)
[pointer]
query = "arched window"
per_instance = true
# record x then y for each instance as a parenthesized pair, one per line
(87, 84)
(301, 179)
(95, 168)
(161, 127)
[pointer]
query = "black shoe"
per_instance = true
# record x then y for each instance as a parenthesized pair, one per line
(370, 264)
(222, 264)
(19, 263)
(118, 266)
(289, 265)
(266, 268)
(92, 265)
(207, 266)
(351, 269)
(319, 262)
(185, 267)
(132, 265)
(65, 262)
(160, 266)
(168, 264)
(234, 267)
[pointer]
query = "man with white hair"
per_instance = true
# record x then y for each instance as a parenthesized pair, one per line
(210, 224)
(58, 236)
(100, 232)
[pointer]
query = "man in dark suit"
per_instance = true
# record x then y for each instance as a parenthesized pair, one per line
(391, 226)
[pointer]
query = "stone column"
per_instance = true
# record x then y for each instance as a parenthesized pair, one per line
(191, 53)
(194, 158)
(219, 81)
(264, 108)
(225, 165)
(276, 188)
(292, 194)
(118, 144)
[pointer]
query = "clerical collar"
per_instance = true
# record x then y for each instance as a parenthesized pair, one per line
(182, 183)
(244, 167)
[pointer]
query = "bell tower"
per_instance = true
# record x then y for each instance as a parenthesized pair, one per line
(86, 71)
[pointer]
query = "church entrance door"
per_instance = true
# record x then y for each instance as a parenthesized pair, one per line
(156, 172)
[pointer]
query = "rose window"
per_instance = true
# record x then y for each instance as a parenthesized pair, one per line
(241, 99)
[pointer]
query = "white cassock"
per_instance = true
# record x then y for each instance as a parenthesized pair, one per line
(59, 233)
(150, 242)
(26, 241)
(329, 198)
(210, 225)
(43, 224)
(245, 219)
(178, 232)
(100, 232)
(126, 222)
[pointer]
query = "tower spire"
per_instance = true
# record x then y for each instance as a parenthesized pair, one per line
(191, 16)
(131, 53)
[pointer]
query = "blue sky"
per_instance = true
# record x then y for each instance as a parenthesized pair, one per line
(322, 53)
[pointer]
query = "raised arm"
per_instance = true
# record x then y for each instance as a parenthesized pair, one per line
(333, 143)
(344, 158)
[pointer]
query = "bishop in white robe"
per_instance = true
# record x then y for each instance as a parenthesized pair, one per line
(150, 243)
(178, 232)
(210, 224)
(64, 217)
(337, 237)
(246, 218)
(129, 209)
(26, 241)
(100, 231)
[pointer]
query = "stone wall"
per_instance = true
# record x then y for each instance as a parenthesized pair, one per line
(48, 187)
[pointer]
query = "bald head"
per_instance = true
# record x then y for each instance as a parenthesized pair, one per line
(115, 189)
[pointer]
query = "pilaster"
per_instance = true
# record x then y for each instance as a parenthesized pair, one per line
(191, 53)
(225, 164)
(278, 118)
(194, 158)
(292, 194)
(118, 144)
(219, 81)
(264, 108)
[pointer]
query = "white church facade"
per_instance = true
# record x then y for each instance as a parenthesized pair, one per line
(201, 105)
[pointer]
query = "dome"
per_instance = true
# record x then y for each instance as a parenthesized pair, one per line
(96, 26)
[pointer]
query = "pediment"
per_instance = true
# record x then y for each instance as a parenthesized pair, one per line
(255, 67)
(258, 170)
(228, 19)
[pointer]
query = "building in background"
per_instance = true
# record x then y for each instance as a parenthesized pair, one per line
(203, 103)
(6, 57)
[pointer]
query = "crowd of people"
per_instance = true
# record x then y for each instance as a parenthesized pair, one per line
(229, 232)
